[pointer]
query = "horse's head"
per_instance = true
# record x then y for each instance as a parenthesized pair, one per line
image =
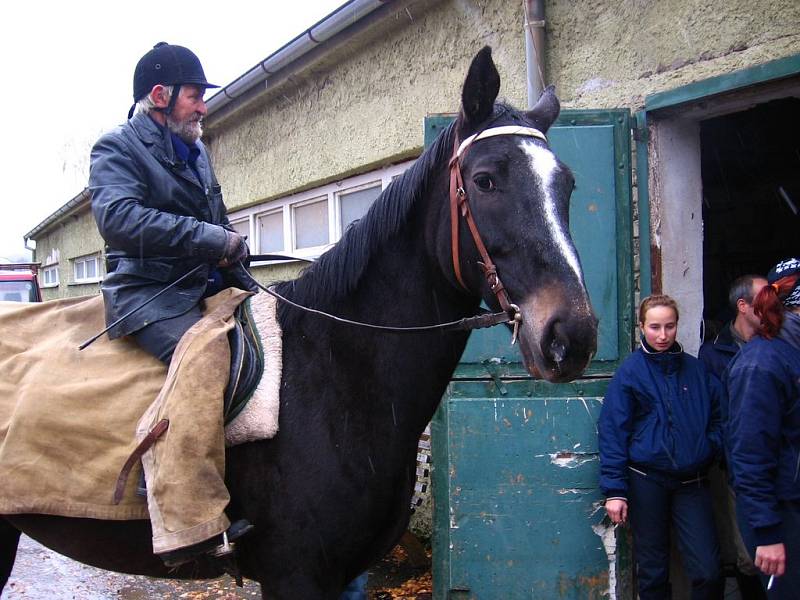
(518, 193)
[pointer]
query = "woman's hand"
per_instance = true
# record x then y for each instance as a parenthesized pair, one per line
(617, 510)
(770, 559)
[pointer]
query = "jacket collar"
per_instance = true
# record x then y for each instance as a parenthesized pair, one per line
(725, 339)
(158, 141)
(676, 348)
(668, 360)
(156, 138)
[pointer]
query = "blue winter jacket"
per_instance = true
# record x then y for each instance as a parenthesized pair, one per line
(763, 432)
(717, 354)
(660, 412)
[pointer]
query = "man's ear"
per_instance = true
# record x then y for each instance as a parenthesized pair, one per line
(159, 96)
(741, 306)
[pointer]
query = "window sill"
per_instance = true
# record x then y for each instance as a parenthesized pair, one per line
(85, 282)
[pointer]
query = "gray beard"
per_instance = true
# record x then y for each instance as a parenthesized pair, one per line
(189, 131)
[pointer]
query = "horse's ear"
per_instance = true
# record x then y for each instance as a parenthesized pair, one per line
(480, 89)
(546, 109)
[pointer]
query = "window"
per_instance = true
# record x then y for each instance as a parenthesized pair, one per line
(310, 224)
(17, 291)
(270, 232)
(50, 276)
(307, 223)
(86, 269)
(354, 204)
(242, 227)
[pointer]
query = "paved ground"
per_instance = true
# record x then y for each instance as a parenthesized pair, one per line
(40, 574)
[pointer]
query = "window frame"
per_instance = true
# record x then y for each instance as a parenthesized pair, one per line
(84, 260)
(330, 192)
(49, 269)
(349, 190)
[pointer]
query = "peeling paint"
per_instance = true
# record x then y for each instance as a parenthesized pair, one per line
(564, 491)
(570, 460)
(608, 534)
(453, 524)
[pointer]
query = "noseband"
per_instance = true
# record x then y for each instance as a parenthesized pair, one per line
(459, 203)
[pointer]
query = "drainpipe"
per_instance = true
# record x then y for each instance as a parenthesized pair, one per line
(534, 48)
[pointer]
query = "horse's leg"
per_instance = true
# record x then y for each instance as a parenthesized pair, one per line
(9, 538)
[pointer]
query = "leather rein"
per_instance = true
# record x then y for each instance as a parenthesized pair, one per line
(459, 203)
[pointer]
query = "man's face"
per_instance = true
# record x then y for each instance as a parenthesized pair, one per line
(749, 314)
(187, 114)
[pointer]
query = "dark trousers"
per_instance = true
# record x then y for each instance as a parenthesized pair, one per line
(161, 337)
(786, 587)
(657, 503)
(356, 589)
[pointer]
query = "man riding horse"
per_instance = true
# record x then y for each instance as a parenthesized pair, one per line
(159, 209)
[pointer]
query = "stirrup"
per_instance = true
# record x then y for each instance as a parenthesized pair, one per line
(224, 549)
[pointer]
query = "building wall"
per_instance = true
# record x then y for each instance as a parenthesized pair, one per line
(364, 106)
(74, 236)
(613, 54)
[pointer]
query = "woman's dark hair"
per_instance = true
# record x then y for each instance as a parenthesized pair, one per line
(768, 306)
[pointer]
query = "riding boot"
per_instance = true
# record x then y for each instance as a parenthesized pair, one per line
(218, 546)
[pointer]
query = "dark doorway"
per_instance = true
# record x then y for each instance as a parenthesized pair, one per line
(751, 198)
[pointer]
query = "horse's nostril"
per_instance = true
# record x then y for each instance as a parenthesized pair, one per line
(557, 351)
(558, 346)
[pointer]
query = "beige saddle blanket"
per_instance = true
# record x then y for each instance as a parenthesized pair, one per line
(68, 418)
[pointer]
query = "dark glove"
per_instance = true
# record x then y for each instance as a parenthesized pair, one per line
(236, 249)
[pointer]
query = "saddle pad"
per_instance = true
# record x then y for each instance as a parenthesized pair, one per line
(68, 418)
(258, 419)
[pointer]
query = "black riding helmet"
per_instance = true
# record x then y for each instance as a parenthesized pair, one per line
(167, 64)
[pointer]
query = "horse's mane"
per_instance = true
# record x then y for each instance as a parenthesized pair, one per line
(338, 271)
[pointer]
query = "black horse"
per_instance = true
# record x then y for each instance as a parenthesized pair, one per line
(330, 493)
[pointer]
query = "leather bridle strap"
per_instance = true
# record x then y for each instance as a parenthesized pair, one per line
(459, 203)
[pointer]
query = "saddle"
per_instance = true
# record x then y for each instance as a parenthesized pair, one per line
(247, 363)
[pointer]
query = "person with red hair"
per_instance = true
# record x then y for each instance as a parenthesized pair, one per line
(763, 432)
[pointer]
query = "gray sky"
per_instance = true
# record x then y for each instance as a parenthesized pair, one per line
(67, 71)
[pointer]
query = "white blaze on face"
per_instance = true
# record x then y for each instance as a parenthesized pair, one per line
(543, 164)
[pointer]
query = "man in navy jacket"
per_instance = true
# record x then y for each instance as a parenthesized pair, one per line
(717, 353)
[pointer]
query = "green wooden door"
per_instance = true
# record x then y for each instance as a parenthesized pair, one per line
(517, 511)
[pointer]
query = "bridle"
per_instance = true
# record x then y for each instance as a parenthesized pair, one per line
(459, 203)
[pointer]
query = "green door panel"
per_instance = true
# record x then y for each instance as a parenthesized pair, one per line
(523, 517)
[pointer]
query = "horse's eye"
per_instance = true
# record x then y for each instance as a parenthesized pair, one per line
(484, 182)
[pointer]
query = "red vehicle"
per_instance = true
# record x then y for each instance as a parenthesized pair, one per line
(19, 282)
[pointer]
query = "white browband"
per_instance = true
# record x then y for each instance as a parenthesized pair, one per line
(505, 130)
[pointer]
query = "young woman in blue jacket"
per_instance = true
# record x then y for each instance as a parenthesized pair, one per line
(763, 432)
(659, 431)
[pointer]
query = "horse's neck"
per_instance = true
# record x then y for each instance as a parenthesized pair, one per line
(402, 375)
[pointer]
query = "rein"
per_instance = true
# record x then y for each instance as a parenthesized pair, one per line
(459, 203)
(466, 324)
